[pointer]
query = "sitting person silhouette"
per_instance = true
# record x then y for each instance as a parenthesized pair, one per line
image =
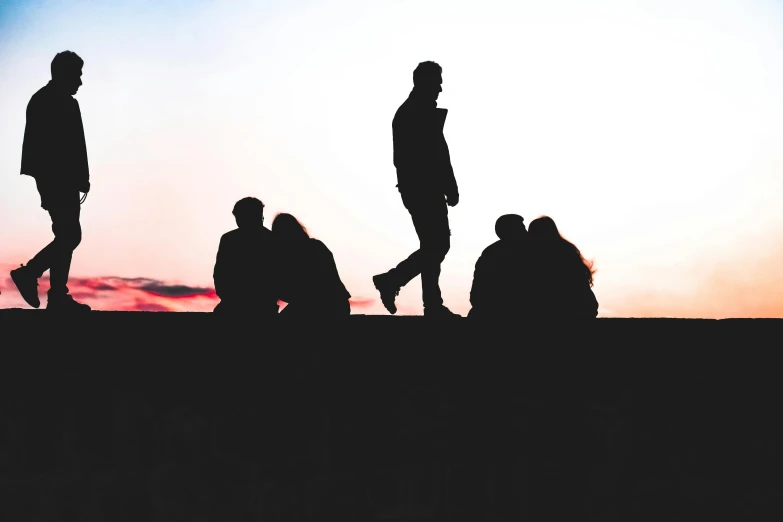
(310, 282)
(244, 272)
(563, 278)
(500, 280)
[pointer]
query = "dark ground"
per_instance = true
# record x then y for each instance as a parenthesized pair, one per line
(177, 417)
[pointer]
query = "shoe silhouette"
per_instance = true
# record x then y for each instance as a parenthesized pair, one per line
(439, 311)
(66, 303)
(27, 284)
(388, 291)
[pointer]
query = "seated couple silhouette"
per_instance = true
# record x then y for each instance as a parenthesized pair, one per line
(532, 274)
(257, 267)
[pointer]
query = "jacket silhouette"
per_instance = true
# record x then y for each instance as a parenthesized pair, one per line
(309, 280)
(54, 151)
(245, 268)
(502, 280)
(421, 155)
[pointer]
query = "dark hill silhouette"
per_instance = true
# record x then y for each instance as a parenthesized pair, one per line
(156, 416)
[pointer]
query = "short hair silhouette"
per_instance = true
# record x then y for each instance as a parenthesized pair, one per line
(65, 63)
(426, 72)
(249, 211)
(544, 228)
(287, 226)
(510, 226)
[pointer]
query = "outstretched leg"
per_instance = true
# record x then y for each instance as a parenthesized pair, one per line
(432, 227)
(57, 255)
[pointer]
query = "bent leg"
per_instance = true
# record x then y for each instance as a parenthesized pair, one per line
(430, 219)
(42, 261)
(408, 269)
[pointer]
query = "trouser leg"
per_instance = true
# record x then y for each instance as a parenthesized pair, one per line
(67, 236)
(432, 226)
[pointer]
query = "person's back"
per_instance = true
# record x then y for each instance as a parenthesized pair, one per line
(309, 280)
(501, 279)
(315, 282)
(562, 278)
(53, 150)
(245, 268)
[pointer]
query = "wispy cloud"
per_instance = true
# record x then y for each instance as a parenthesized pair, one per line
(121, 293)
(161, 289)
(360, 303)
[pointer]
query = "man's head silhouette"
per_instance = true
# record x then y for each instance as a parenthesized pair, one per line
(249, 213)
(510, 226)
(67, 71)
(427, 80)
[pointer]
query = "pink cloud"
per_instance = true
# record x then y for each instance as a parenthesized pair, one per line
(135, 294)
(361, 302)
(121, 294)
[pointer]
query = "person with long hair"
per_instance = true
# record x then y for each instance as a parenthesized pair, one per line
(564, 278)
(310, 283)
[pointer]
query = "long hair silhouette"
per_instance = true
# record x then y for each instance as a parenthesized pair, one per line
(545, 229)
(286, 226)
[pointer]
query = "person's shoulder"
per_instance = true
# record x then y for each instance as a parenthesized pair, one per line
(229, 236)
(319, 246)
(40, 97)
(402, 111)
(492, 249)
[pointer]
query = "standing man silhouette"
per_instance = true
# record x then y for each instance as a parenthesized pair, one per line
(55, 155)
(425, 180)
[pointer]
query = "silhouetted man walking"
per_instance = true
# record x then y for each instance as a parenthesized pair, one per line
(245, 272)
(55, 155)
(426, 183)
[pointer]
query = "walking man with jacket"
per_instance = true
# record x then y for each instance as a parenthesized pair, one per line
(425, 180)
(55, 155)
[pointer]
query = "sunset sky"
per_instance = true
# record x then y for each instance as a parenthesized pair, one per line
(650, 132)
